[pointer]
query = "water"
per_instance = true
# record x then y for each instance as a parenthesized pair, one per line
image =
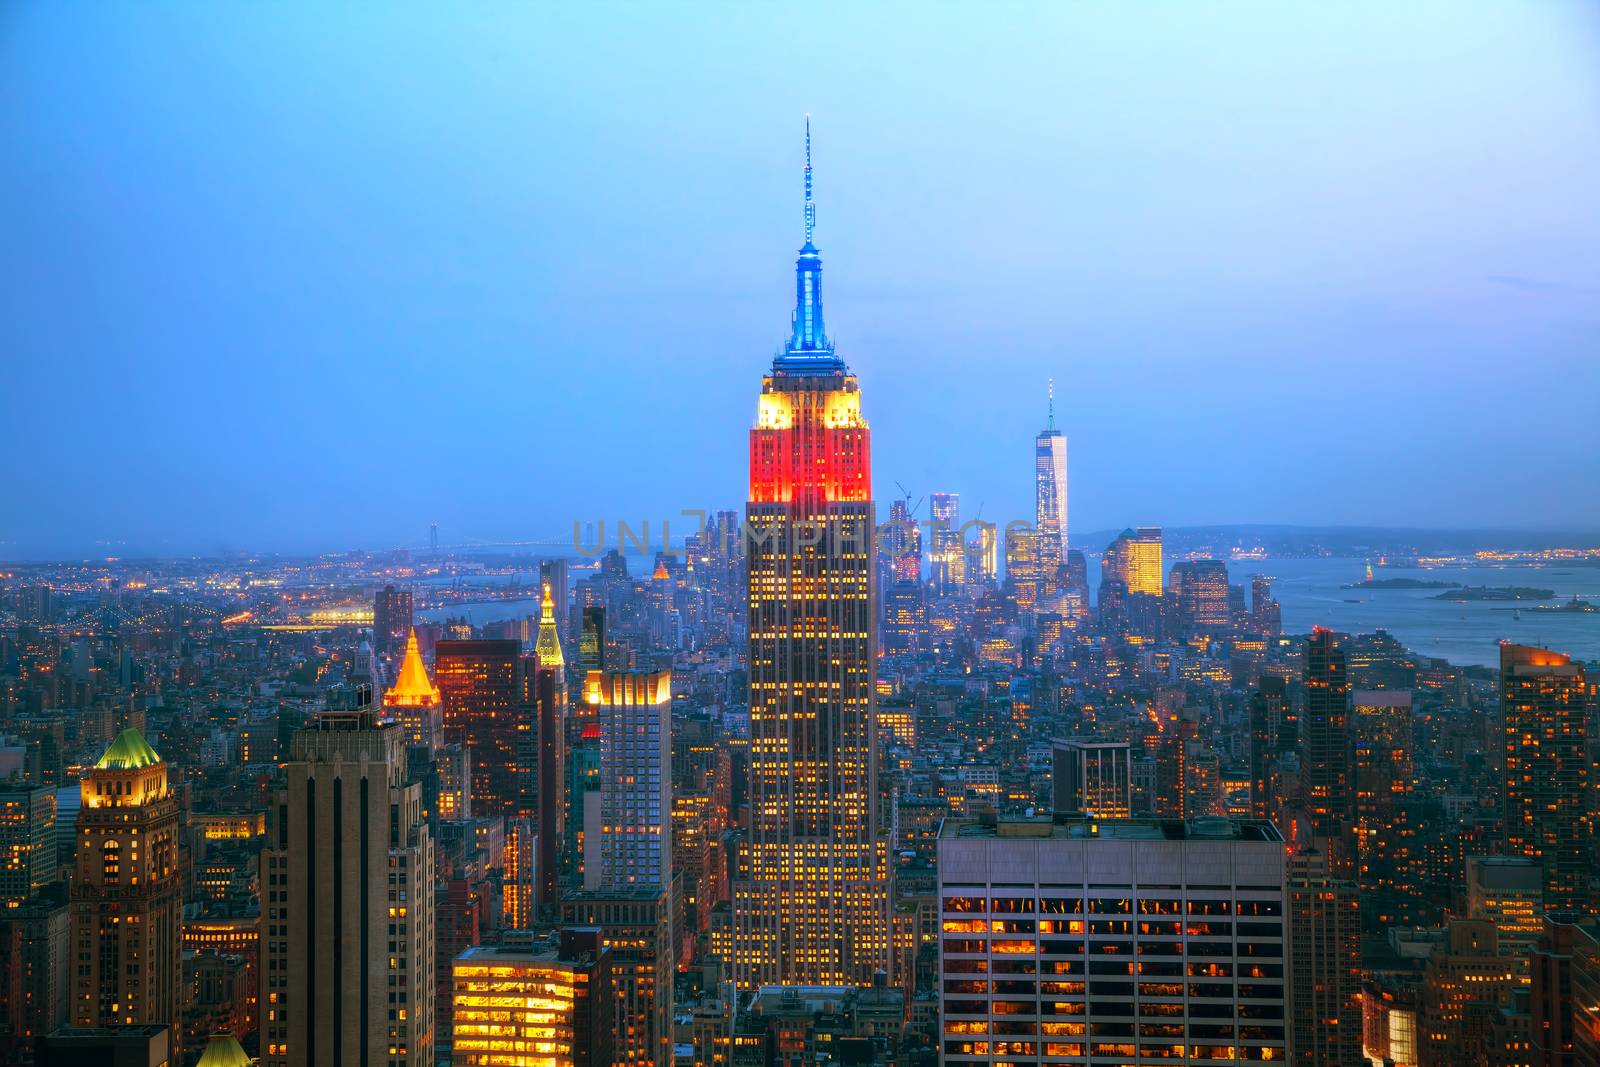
(1463, 633)
(483, 611)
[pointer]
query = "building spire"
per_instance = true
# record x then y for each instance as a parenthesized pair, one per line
(811, 205)
(1050, 423)
(809, 351)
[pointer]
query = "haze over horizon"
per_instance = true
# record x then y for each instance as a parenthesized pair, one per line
(283, 281)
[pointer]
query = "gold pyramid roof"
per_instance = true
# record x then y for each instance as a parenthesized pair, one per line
(413, 688)
(548, 647)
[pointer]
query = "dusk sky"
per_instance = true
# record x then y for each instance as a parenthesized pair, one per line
(302, 278)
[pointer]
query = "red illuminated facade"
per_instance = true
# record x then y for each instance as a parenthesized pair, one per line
(810, 445)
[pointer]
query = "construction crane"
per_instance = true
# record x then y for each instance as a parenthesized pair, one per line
(905, 494)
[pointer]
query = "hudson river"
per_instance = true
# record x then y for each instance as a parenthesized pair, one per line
(1463, 633)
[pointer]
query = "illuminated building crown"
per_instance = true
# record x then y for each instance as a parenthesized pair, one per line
(223, 1051)
(129, 752)
(809, 351)
(128, 774)
(548, 648)
(412, 689)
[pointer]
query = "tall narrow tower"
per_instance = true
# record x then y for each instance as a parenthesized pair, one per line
(1050, 499)
(349, 930)
(127, 892)
(628, 875)
(1545, 727)
(1325, 746)
(814, 909)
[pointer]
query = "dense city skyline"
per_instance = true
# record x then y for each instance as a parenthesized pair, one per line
(536, 255)
(826, 776)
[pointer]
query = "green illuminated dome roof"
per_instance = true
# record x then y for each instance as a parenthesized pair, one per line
(223, 1051)
(129, 752)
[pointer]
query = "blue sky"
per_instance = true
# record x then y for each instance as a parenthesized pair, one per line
(293, 277)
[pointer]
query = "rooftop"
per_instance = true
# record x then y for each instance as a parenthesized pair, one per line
(1077, 827)
(129, 752)
(533, 952)
(412, 689)
(572, 946)
(223, 1051)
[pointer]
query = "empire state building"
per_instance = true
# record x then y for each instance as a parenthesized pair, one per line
(813, 909)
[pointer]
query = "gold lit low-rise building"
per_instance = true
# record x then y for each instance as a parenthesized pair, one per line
(526, 1007)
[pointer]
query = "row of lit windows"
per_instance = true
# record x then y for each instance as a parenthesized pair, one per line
(1109, 1049)
(1029, 946)
(1209, 968)
(1112, 926)
(1121, 1004)
(1019, 905)
(1143, 969)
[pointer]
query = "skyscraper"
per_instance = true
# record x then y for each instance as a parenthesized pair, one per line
(592, 639)
(1093, 778)
(628, 873)
(1565, 968)
(1200, 587)
(1325, 964)
(1509, 892)
(1274, 734)
(905, 617)
(1325, 746)
(391, 619)
(1023, 580)
(543, 750)
(985, 567)
(1134, 559)
(1547, 775)
(553, 575)
(1380, 779)
(520, 874)
(582, 774)
(541, 767)
(949, 562)
(1050, 499)
(36, 977)
(900, 589)
(903, 544)
(27, 840)
(127, 892)
(814, 907)
(348, 881)
(481, 690)
(1464, 973)
(1265, 614)
(635, 719)
(413, 701)
(1064, 941)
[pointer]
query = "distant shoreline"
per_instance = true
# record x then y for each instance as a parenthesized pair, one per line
(1401, 583)
(1496, 592)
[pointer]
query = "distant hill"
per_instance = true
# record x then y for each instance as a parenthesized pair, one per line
(1359, 541)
